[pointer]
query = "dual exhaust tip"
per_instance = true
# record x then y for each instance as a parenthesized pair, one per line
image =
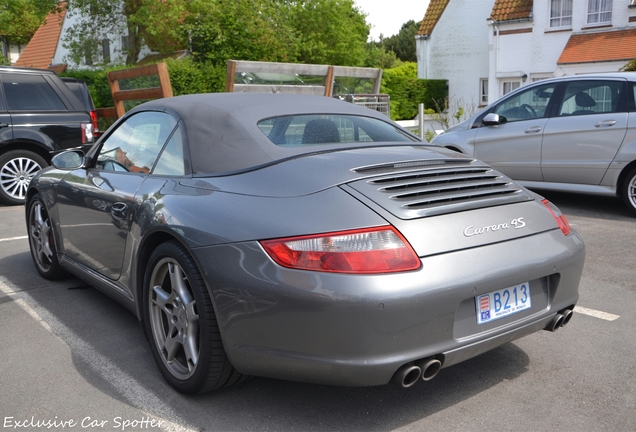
(426, 369)
(560, 320)
(421, 370)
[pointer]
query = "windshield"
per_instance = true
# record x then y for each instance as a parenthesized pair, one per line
(305, 130)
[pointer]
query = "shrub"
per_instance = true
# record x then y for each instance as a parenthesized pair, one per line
(407, 91)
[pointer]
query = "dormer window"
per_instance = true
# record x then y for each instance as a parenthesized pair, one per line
(599, 11)
(561, 13)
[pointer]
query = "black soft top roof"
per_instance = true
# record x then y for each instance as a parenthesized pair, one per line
(222, 128)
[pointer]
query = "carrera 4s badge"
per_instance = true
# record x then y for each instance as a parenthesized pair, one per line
(515, 223)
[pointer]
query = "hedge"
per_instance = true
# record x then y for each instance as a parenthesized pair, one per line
(407, 91)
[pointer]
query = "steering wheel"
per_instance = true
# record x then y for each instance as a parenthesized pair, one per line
(529, 109)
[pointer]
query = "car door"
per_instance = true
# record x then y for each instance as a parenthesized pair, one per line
(584, 135)
(514, 146)
(96, 204)
(6, 128)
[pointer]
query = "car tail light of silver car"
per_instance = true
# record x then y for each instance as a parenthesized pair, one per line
(564, 226)
(369, 250)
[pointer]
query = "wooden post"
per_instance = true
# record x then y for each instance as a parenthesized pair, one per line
(329, 82)
(230, 76)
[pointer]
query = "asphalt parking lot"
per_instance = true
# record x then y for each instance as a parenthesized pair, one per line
(72, 359)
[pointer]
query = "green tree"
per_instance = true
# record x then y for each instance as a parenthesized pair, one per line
(310, 31)
(403, 43)
(329, 32)
(630, 66)
(19, 19)
(220, 30)
(378, 57)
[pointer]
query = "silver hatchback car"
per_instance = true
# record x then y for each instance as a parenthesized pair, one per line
(573, 134)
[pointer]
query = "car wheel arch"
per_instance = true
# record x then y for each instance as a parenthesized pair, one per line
(33, 146)
(622, 177)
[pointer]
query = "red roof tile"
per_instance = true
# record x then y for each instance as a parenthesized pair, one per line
(41, 48)
(508, 10)
(605, 46)
(432, 16)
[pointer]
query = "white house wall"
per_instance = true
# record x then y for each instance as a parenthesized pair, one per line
(457, 50)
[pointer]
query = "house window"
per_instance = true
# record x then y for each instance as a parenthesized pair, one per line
(483, 91)
(561, 13)
(599, 11)
(88, 55)
(510, 85)
(106, 50)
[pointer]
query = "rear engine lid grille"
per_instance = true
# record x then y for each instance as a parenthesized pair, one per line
(438, 190)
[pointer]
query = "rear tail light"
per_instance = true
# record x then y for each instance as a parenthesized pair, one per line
(94, 122)
(564, 226)
(369, 250)
(87, 133)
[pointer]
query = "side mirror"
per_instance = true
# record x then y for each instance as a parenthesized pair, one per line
(493, 119)
(71, 159)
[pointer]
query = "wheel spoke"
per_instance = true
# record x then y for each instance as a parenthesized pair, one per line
(191, 346)
(179, 284)
(171, 347)
(162, 299)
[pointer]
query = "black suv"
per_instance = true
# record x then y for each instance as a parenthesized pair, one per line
(39, 115)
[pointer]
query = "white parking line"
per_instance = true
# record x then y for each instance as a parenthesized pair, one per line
(13, 238)
(596, 313)
(126, 385)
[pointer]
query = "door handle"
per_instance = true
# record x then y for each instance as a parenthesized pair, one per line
(4, 125)
(533, 129)
(605, 123)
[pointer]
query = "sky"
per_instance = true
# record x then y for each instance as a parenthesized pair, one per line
(387, 16)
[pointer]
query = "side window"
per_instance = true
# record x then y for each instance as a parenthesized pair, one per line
(633, 101)
(591, 97)
(528, 104)
(30, 92)
(136, 143)
(172, 161)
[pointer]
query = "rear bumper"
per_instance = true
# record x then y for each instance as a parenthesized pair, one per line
(358, 330)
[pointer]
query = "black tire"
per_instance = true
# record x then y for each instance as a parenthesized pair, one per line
(42, 240)
(181, 325)
(628, 190)
(17, 168)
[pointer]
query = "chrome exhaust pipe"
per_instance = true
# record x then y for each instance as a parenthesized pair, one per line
(406, 376)
(567, 316)
(555, 324)
(430, 367)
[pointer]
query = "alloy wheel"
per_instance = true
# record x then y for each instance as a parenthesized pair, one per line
(16, 174)
(41, 237)
(174, 319)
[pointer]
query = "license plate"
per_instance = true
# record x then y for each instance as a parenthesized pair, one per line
(501, 303)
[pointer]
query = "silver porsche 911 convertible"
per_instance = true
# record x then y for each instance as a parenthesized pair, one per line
(301, 238)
